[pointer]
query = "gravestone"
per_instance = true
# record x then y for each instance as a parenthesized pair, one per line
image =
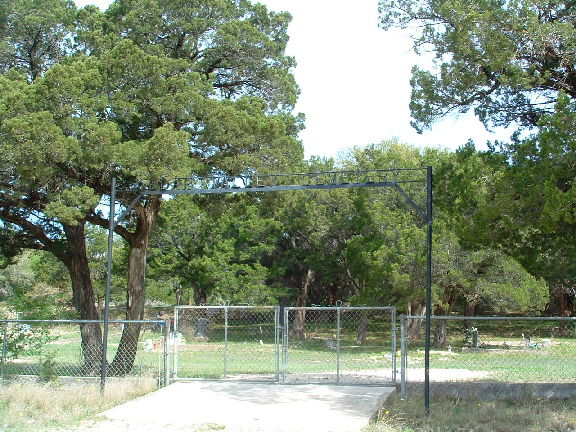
(202, 328)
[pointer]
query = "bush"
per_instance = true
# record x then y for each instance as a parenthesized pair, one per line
(24, 340)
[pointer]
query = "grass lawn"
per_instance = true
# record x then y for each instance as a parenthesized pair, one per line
(451, 415)
(27, 406)
(61, 354)
(504, 353)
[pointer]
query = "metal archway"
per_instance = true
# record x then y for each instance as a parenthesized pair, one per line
(222, 184)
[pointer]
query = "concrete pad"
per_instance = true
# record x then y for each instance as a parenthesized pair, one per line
(232, 406)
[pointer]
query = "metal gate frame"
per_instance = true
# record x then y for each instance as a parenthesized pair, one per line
(226, 308)
(338, 309)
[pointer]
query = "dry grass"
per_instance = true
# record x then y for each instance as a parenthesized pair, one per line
(455, 415)
(28, 406)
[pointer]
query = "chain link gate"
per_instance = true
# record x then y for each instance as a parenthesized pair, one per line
(330, 345)
(339, 345)
(226, 342)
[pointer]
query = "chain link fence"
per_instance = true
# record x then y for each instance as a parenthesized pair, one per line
(72, 349)
(490, 349)
(339, 345)
(226, 342)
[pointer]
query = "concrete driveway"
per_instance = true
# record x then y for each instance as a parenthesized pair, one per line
(242, 407)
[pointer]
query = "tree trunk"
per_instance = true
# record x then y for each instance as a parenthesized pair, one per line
(441, 327)
(469, 310)
(300, 318)
(564, 295)
(564, 301)
(136, 292)
(362, 328)
(440, 334)
(414, 331)
(200, 296)
(83, 297)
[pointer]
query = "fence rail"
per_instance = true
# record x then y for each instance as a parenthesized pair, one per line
(490, 349)
(72, 349)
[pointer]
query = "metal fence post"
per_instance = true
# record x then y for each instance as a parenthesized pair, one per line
(393, 319)
(393, 342)
(4, 347)
(175, 342)
(166, 352)
(338, 345)
(403, 355)
(285, 342)
(277, 331)
(225, 341)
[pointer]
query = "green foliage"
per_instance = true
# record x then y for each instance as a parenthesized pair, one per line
(34, 33)
(214, 251)
(72, 204)
(506, 60)
(511, 62)
(48, 371)
(24, 340)
(35, 285)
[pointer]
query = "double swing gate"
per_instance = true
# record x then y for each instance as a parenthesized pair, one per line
(292, 345)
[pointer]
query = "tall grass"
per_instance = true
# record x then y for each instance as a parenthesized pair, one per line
(30, 406)
(449, 414)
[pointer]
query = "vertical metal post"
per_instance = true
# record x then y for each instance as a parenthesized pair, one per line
(225, 341)
(428, 289)
(111, 217)
(393, 319)
(338, 345)
(4, 347)
(175, 342)
(285, 341)
(403, 357)
(166, 352)
(277, 342)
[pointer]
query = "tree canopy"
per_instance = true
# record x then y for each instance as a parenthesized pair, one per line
(506, 60)
(142, 91)
(514, 64)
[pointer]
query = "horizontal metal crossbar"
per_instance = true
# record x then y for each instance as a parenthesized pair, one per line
(491, 318)
(222, 183)
(267, 188)
(342, 308)
(80, 321)
(228, 307)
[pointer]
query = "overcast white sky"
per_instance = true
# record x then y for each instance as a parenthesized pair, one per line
(354, 79)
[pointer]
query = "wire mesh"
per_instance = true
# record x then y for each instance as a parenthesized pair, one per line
(226, 342)
(492, 349)
(52, 350)
(339, 345)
